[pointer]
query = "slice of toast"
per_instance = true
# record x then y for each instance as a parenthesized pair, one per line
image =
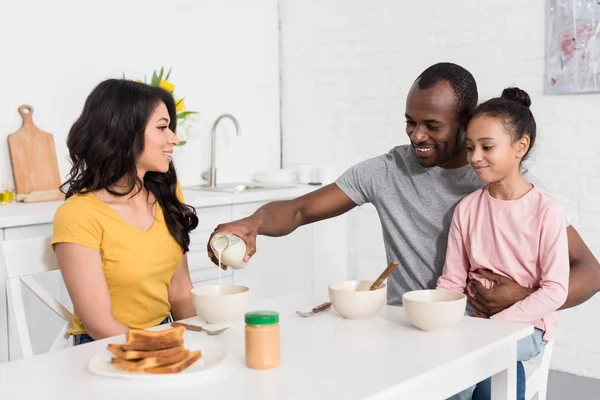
(174, 368)
(118, 351)
(139, 339)
(150, 362)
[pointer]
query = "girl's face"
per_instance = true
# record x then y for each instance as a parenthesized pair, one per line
(492, 151)
(159, 142)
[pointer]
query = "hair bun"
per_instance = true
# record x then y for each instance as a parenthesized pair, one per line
(518, 95)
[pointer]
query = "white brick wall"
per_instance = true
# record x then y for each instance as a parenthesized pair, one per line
(347, 66)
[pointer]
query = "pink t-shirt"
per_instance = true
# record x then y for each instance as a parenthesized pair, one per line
(524, 240)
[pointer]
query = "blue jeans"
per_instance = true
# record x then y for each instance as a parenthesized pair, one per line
(83, 338)
(527, 348)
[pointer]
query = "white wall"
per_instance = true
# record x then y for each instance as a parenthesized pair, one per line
(347, 66)
(224, 56)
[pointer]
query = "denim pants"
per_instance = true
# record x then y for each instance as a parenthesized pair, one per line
(83, 338)
(527, 348)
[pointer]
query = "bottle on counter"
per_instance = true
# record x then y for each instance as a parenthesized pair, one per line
(11, 193)
(262, 339)
(4, 195)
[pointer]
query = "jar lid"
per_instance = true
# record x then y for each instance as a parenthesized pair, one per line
(262, 318)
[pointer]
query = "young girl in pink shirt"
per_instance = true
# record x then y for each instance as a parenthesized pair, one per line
(509, 226)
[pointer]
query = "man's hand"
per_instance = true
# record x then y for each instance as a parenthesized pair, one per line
(504, 293)
(245, 228)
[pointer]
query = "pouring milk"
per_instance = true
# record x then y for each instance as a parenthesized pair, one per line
(230, 250)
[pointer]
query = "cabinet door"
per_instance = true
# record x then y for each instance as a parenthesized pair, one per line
(366, 247)
(330, 253)
(281, 265)
(22, 232)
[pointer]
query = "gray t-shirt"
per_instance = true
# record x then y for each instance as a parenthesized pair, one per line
(415, 206)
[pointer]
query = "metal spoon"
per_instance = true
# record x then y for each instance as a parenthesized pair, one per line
(315, 310)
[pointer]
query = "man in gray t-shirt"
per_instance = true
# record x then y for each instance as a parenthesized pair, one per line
(415, 189)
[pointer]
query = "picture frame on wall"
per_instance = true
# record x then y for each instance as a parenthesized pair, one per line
(572, 46)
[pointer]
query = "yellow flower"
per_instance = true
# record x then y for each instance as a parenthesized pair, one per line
(166, 85)
(179, 105)
(138, 81)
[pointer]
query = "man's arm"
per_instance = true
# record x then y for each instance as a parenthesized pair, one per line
(584, 278)
(584, 281)
(280, 218)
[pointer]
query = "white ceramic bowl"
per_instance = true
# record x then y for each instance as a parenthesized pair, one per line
(354, 300)
(219, 304)
(433, 310)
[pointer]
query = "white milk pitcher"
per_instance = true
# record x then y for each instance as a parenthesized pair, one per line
(229, 250)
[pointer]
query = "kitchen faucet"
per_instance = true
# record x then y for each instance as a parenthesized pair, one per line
(211, 174)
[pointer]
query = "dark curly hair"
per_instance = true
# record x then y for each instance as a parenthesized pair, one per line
(512, 110)
(106, 141)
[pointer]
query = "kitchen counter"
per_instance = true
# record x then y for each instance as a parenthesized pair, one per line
(22, 214)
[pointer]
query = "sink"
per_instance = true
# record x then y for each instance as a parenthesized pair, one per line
(238, 187)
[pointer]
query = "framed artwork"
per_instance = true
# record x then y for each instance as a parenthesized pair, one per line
(573, 46)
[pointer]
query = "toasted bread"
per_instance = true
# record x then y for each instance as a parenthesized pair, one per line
(174, 368)
(150, 362)
(118, 351)
(138, 339)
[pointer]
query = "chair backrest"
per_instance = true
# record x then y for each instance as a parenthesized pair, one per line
(24, 258)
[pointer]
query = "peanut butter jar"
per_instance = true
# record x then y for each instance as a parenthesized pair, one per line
(262, 339)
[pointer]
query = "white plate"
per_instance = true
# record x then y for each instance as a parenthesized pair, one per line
(213, 358)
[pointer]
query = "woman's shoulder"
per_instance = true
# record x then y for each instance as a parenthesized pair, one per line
(80, 206)
(79, 220)
(79, 202)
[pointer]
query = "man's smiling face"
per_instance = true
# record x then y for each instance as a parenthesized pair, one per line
(432, 124)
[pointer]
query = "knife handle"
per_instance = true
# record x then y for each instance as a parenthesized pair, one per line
(187, 326)
(321, 307)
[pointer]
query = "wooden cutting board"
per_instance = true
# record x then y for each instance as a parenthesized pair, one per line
(33, 157)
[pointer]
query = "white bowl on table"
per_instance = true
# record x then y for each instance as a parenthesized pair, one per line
(354, 300)
(433, 310)
(219, 304)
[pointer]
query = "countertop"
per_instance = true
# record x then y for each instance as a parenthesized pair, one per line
(22, 214)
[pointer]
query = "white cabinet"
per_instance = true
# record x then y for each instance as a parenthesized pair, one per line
(305, 261)
(21, 232)
(281, 265)
(366, 249)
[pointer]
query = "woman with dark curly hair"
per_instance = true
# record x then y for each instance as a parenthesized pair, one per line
(121, 236)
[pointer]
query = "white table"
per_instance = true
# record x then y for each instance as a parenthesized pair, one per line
(323, 357)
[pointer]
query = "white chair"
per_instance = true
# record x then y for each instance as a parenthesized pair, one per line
(536, 371)
(22, 259)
